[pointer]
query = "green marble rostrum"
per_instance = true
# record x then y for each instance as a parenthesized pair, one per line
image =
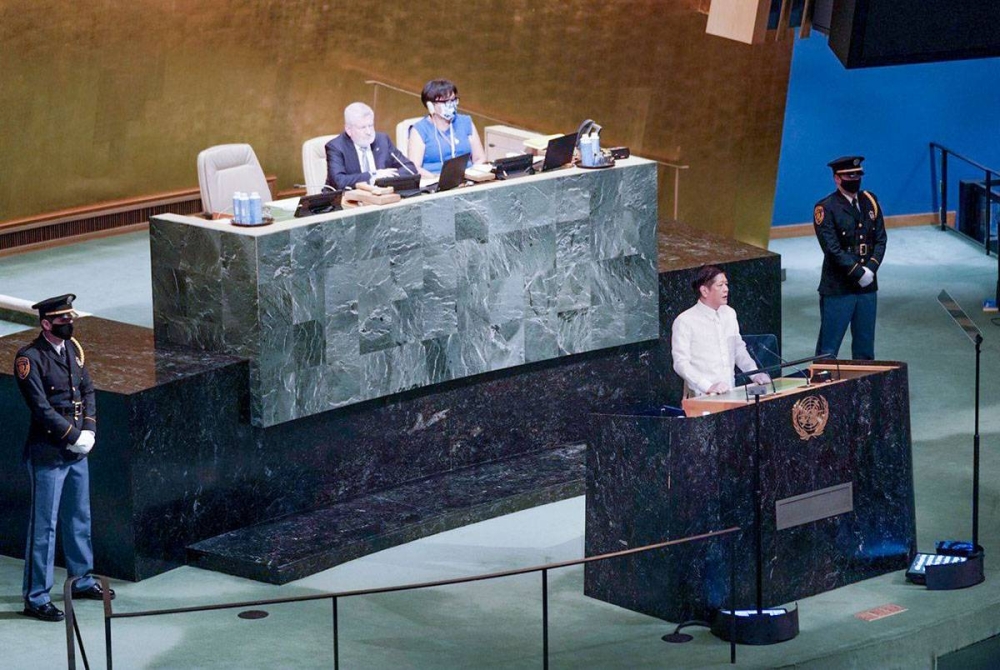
(340, 308)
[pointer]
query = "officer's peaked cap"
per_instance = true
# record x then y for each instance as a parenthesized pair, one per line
(61, 305)
(847, 166)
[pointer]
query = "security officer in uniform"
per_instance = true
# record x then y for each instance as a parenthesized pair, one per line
(851, 232)
(55, 383)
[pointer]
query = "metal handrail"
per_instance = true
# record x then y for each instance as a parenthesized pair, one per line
(989, 174)
(980, 166)
(945, 151)
(676, 167)
(109, 614)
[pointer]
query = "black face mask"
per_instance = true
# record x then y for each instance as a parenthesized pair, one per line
(850, 185)
(63, 331)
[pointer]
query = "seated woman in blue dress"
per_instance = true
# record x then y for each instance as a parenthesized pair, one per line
(443, 133)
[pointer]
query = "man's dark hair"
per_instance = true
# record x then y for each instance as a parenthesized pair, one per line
(437, 89)
(704, 277)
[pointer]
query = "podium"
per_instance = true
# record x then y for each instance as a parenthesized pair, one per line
(837, 492)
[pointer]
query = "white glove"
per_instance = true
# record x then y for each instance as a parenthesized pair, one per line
(867, 278)
(84, 443)
(761, 378)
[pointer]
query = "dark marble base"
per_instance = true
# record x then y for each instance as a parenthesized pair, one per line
(302, 544)
(178, 462)
(158, 470)
(651, 479)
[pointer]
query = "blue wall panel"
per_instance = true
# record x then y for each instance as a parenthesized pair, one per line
(889, 115)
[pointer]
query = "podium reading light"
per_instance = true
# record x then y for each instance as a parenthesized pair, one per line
(956, 564)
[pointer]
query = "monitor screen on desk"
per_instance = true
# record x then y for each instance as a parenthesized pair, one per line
(512, 165)
(404, 182)
(321, 203)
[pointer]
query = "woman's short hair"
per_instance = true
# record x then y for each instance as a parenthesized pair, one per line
(704, 277)
(436, 89)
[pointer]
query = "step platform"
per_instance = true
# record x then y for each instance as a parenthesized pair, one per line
(299, 545)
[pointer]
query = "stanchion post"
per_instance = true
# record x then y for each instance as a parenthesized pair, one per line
(70, 618)
(944, 188)
(336, 637)
(732, 597)
(106, 587)
(545, 619)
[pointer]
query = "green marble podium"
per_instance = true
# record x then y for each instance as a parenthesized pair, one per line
(336, 309)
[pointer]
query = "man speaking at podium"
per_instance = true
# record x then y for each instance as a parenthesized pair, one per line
(359, 154)
(705, 339)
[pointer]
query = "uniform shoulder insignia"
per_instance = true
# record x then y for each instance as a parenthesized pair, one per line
(23, 366)
(818, 214)
(871, 198)
(79, 347)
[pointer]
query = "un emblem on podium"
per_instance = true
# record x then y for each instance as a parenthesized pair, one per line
(809, 416)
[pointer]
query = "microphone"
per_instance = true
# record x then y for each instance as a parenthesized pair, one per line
(792, 364)
(402, 163)
(782, 360)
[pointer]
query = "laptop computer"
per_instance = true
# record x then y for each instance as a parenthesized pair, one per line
(559, 152)
(452, 174)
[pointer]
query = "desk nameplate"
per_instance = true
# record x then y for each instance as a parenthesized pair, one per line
(813, 506)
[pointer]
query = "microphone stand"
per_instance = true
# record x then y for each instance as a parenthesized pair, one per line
(970, 571)
(757, 504)
(975, 451)
(760, 626)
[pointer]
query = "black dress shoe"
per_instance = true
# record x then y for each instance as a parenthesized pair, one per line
(95, 592)
(46, 612)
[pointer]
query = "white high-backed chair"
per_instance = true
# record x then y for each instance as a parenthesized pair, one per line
(403, 133)
(314, 163)
(225, 169)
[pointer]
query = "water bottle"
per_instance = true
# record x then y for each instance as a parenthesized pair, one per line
(237, 217)
(595, 147)
(586, 152)
(256, 210)
(243, 213)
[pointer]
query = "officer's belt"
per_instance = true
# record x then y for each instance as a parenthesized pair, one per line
(75, 411)
(861, 249)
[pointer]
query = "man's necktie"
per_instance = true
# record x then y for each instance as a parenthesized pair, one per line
(857, 207)
(366, 165)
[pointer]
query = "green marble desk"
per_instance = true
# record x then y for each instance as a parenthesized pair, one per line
(350, 306)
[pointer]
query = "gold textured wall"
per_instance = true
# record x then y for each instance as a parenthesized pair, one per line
(104, 100)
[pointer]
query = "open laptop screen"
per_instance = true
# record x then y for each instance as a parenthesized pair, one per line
(559, 152)
(453, 172)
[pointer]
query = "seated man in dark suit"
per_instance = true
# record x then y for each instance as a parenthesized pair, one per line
(359, 154)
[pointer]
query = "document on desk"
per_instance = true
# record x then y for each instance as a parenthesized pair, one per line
(286, 204)
(479, 173)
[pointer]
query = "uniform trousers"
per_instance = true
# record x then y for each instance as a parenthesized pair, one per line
(59, 493)
(837, 312)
